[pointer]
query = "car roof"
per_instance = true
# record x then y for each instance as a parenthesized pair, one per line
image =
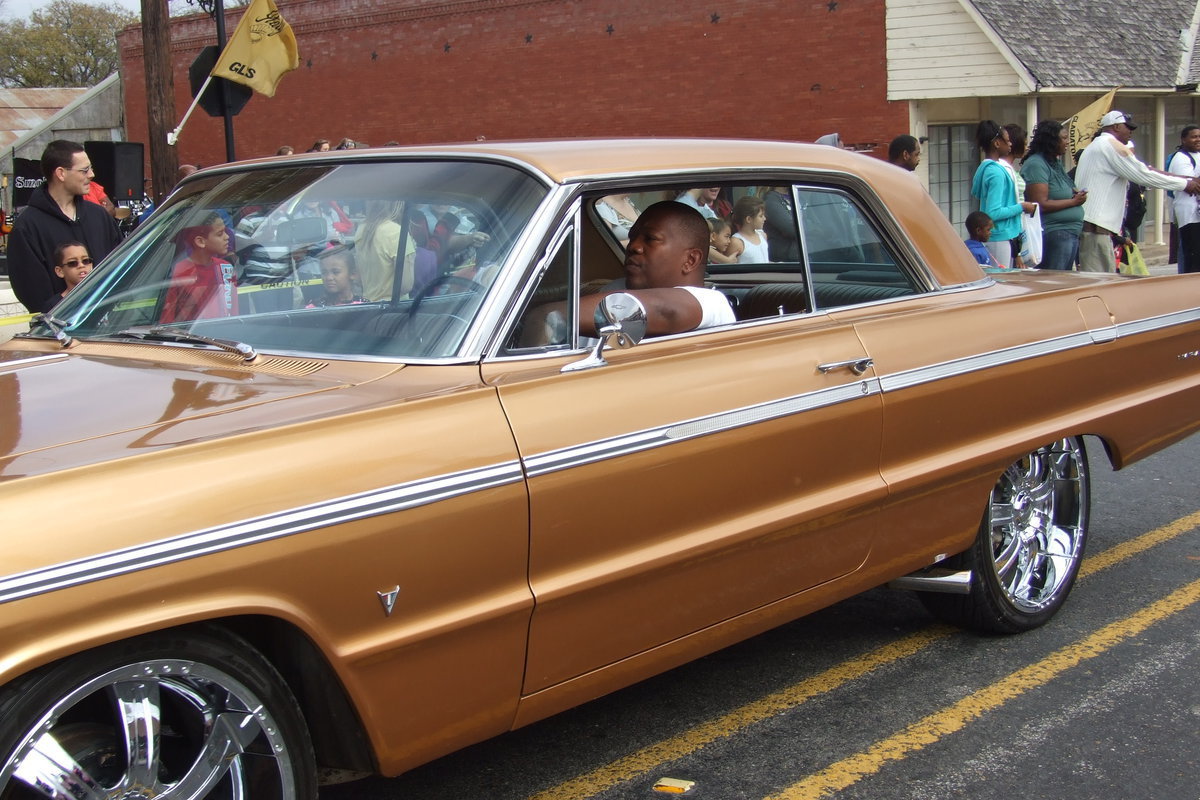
(569, 160)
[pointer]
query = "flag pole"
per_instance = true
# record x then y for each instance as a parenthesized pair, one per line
(173, 136)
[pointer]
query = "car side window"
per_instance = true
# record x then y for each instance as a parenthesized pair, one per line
(849, 260)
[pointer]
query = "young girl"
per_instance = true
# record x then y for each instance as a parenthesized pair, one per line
(749, 244)
(720, 234)
(71, 263)
(203, 285)
(339, 276)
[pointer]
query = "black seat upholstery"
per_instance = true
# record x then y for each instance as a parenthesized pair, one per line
(772, 300)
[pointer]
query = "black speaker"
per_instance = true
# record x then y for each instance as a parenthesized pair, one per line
(120, 168)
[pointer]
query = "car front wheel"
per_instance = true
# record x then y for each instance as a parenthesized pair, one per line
(193, 713)
(1026, 556)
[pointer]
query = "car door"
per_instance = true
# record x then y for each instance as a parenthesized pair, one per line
(691, 479)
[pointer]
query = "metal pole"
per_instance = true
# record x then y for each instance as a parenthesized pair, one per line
(219, 13)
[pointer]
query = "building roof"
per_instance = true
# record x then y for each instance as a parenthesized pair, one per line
(1099, 44)
(24, 110)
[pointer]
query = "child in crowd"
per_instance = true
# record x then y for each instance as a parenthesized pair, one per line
(749, 244)
(979, 226)
(71, 263)
(203, 285)
(719, 236)
(340, 278)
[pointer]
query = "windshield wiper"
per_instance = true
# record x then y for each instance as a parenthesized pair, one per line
(248, 353)
(57, 327)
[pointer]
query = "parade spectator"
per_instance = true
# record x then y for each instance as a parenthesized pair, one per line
(979, 231)
(749, 242)
(339, 277)
(1016, 153)
(1048, 185)
(619, 213)
(285, 150)
(1106, 169)
(203, 285)
(319, 146)
(56, 214)
(904, 152)
(719, 238)
(995, 186)
(376, 246)
(1187, 210)
(783, 242)
(71, 263)
(700, 199)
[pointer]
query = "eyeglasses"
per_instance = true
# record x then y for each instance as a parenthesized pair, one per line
(84, 170)
(75, 262)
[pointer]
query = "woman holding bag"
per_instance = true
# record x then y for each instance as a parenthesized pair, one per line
(1048, 185)
(995, 186)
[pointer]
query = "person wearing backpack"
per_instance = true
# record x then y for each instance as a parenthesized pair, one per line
(1187, 208)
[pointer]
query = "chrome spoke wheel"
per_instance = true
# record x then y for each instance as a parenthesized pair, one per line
(1027, 552)
(1036, 525)
(156, 728)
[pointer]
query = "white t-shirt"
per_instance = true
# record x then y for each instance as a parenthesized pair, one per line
(714, 306)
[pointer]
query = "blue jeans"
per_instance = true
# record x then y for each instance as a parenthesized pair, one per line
(1059, 249)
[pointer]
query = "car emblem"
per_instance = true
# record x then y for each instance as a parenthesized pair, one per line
(389, 600)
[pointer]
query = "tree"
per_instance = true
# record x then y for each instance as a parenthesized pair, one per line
(66, 43)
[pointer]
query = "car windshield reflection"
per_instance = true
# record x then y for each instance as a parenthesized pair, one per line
(308, 259)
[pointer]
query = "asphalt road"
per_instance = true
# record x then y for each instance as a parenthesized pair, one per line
(873, 699)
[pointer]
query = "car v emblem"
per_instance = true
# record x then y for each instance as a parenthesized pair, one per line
(389, 600)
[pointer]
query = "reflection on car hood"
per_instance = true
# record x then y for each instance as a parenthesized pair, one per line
(65, 409)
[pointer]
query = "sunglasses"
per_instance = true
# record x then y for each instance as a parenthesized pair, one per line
(75, 262)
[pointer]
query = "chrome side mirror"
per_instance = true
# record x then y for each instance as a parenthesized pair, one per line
(620, 322)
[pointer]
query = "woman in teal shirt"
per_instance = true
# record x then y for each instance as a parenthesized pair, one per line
(995, 186)
(1048, 185)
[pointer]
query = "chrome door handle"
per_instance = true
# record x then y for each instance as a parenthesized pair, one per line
(856, 365)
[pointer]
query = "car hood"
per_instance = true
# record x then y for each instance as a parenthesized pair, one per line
(99, 401)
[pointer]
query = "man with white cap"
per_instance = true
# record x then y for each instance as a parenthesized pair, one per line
(1106, 169)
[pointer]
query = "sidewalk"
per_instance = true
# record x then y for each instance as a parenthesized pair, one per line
(14, 318)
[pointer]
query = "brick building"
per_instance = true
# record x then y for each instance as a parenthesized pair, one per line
(416, 71)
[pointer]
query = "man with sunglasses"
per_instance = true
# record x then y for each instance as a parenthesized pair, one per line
(56, 214)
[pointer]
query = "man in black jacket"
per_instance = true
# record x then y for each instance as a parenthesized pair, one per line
(56, 214)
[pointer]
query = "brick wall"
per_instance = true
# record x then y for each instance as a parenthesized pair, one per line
(419, 72)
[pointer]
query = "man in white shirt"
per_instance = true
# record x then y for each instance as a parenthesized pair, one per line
(664, 269)
(1105, 170)
(1184, 162)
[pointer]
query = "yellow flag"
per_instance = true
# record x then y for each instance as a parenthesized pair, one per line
(261, 51)
(1084, 124)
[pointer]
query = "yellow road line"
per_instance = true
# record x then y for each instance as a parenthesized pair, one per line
(1125, 550)
(691, 740)
(934, 727)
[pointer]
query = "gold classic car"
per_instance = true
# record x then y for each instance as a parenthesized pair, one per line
(348, 460)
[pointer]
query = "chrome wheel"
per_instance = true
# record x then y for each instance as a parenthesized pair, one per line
(155, 728)
(1038, 522)
(1024, 561)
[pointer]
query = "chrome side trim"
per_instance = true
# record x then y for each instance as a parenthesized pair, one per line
(591, 452)
(935, 579)
(996, 358)
(260, 529)
(31, 360)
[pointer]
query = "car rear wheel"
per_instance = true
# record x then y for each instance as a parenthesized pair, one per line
(193, 713)
(1026, 556)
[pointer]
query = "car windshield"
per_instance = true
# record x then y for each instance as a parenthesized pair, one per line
(306, 259)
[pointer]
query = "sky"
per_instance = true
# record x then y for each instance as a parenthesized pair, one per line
(21, 9)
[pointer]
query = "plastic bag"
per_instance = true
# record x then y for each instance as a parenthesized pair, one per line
(1031, 237)
(1137, 264)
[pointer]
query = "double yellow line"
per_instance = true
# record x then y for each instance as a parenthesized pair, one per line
(922, 733)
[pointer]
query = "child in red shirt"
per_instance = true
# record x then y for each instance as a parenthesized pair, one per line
(203, 285)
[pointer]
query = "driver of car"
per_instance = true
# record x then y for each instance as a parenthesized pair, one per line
(664, 269)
